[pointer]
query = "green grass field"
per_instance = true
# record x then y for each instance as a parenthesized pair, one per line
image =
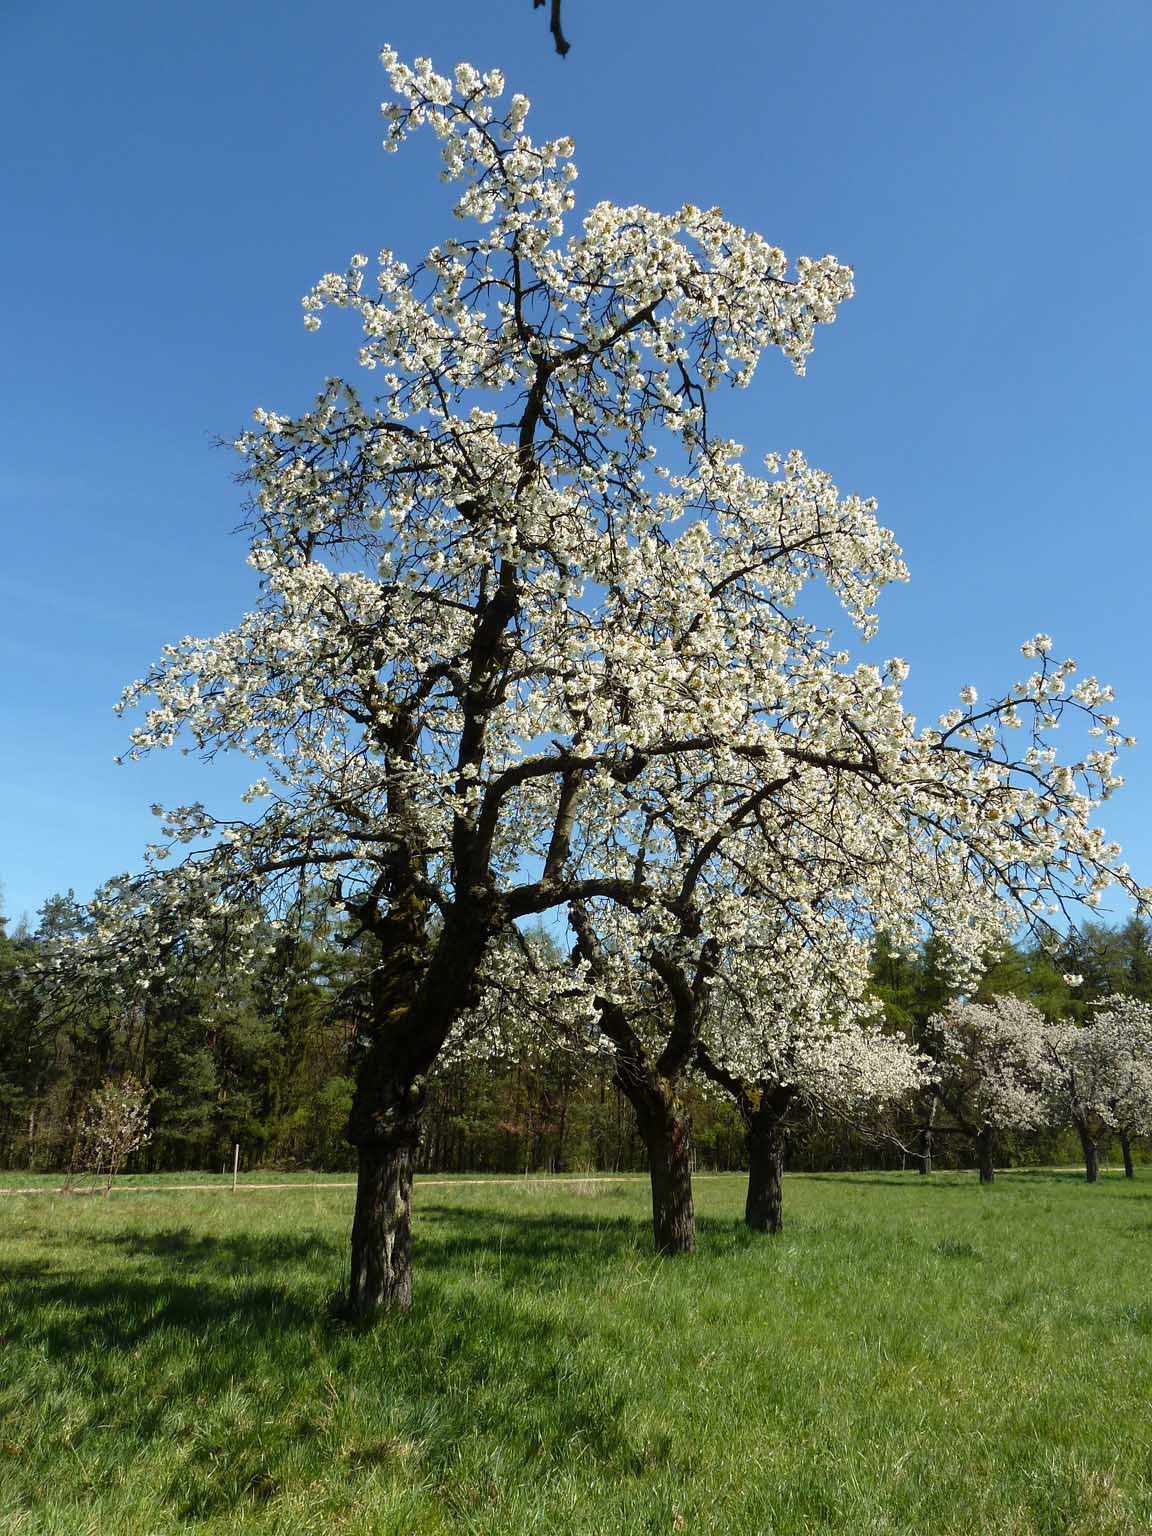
(910, 1356)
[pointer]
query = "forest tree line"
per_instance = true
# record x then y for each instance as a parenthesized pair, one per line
(265, 1058)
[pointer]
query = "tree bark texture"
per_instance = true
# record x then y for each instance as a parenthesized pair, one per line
(1091, 1153)
(381, 1276)
(764, 1206)
(1126, 1149)
(666, 1132)
(986, 1153)
(385, 1128)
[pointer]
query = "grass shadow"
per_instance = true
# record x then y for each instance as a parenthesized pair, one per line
(948, 1180)
(965, 1179)
(527, 1241)
(230, 1251)
(213, 1354)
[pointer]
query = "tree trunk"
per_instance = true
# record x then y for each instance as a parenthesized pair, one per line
(1126, 1149)
(764, 1206)
(415, 1001)
(666, 1131)
(924, 1140)
(651, 1088)
(985, 1153)
(561, 1128)
(384, 1126)
(1091, 1153)
(381, 1275)
(673, 1216)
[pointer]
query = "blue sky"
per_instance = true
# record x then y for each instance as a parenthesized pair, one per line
(176, 179)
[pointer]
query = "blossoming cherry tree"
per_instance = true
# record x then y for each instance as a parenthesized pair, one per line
(527, 640)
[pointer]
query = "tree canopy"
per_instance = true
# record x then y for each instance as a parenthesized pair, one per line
(530, 638)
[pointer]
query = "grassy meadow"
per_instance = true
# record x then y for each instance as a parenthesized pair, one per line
(909, 1356)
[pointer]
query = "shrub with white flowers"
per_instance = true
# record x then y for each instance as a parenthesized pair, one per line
(113, 1125)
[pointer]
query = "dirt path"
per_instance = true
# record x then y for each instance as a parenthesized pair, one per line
(227, 1189)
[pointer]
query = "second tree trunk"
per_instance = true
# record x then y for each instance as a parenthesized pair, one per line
(986, 1153)
(764, 1207)
(1091, 1153)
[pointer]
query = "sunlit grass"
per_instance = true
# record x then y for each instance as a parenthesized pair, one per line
(910, 1356)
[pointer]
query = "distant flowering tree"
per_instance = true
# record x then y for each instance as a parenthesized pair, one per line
(1120, 1029)
(993, 1071)
(785, 1064)
(528, 641)
(1003, 1065)
(113, 1125)
(1099, 1076)
(761, 980)
(775, 1017)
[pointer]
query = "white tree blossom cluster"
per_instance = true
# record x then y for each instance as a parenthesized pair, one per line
(992, 1062)
(838, 1067)
(142, 930)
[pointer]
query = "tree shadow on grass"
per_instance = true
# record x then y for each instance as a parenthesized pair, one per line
(143, 1328)
(532, 1250)
(521, 1244)
(272, 1282)
(950, 1179)
(262, 1291)
(227, 1252)
(965, 1179)
(524, 1245)
(68, 1314)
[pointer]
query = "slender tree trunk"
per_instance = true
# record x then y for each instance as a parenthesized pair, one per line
(764, 1206)
(986, 1153)
(1126, 1149)
(1091, 1153)
(924, 1139)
